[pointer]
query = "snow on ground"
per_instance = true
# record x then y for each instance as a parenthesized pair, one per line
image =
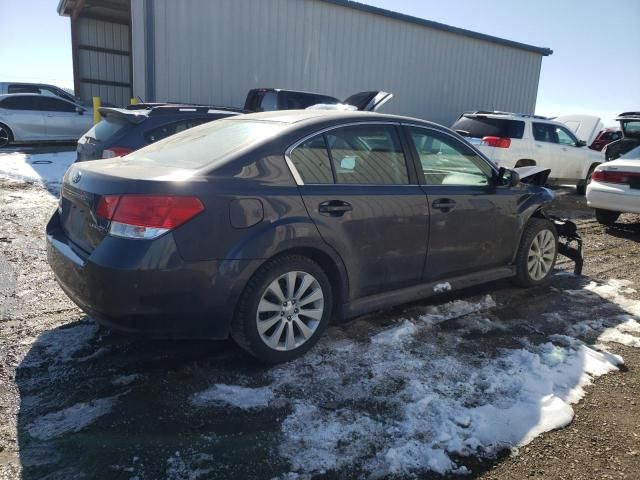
(44, 168)
(234, 396)
(408, 399)
(70, 419)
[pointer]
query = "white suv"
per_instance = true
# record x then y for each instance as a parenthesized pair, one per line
(513, 140)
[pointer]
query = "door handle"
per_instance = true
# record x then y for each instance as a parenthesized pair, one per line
(444, 204)
(334, 208)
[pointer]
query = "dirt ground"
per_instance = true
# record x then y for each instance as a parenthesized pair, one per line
(53, 360)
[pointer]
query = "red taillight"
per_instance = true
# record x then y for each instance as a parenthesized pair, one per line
(107, 206)
(612, 176)
(112, 152)
(500, 142)
(146, 216)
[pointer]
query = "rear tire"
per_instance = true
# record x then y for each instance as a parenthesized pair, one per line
(537, 253)
(283, 310)
(581, 187)
(6, 135)
(606, 217)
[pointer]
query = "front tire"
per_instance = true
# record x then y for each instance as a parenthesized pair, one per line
(283, 310)
(581, 187)
(6, 136)
(537, 253)
(606, 217)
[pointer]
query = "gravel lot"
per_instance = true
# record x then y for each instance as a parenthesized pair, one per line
(78, 402)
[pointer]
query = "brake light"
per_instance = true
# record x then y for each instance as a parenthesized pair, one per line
(613, 176)
(146, 216)
(112, 152)
(500, 142)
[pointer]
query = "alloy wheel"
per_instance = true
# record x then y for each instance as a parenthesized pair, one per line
(290, 310)
(4, 137)
(541, 254)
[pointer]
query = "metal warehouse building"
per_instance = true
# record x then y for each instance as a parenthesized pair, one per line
(214, 51)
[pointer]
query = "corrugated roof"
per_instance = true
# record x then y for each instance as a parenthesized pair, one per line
(439, 26)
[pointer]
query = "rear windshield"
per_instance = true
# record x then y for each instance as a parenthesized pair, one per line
(106, 128)
(206, 144)
(479, 127)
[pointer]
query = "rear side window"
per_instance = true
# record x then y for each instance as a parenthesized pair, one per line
(311, 160)
(106, 128)
(19, 103)
(23, 89)
(171, 129)
(367, 155)
(261, 101)
(478, 127)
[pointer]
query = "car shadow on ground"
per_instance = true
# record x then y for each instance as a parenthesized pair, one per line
(99, 405)
(629, 231)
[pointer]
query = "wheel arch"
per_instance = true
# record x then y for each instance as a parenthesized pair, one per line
(11, 134)
(525, 162)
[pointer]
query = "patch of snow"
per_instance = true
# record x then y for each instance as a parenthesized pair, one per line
(234, 396)
(458, 308)
(70, 419)
(395, 334)
(44, 168)
(123, 380)
(442, 287)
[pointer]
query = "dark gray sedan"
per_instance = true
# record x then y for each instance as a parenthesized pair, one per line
(267, 226)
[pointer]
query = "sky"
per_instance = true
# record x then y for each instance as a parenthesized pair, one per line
(595, 67)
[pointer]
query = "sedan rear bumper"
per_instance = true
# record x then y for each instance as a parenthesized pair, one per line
(617, 198)
(149, 291)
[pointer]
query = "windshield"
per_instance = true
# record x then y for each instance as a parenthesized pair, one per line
(206, 144)
(633, 154)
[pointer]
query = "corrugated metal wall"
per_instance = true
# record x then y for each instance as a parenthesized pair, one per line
(214, 52)
(101, 71)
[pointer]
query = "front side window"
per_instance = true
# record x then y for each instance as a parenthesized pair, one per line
(565, 138)
(446, 161)
(367, 155)
(50, 104)
(545, 132)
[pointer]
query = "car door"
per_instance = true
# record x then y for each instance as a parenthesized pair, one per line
(22, 116)
(473, 222)
(62, 120)
(559, 152)
(362, 194)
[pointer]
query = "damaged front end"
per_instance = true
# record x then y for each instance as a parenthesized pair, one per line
(569, 241)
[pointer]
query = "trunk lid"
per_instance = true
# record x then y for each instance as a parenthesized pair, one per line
(86, 183)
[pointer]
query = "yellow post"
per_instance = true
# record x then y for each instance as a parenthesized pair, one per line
(96, 113)
(133, 101)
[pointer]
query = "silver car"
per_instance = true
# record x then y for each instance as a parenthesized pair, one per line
(38, 118)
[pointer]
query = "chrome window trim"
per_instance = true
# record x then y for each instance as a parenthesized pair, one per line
(298, 178)
(478, 152)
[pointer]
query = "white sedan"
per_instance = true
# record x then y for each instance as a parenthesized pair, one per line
(615, 188)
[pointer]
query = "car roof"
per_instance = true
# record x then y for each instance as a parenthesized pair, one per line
(13, 95)
(312, 116)
(506, 115)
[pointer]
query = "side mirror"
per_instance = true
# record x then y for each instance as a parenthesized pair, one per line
(80, 110)
(507, 177)
(581, 143)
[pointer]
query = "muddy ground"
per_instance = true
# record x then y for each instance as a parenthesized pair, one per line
(56, 367)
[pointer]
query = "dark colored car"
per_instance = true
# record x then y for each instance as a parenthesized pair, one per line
(123, 130)
(267, 226)
(630, 127)
(605, 137)
(269, 99)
